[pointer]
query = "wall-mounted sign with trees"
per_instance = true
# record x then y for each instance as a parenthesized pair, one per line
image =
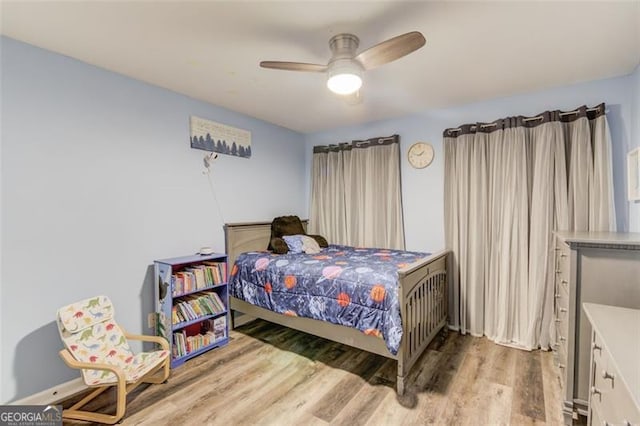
(215, 137)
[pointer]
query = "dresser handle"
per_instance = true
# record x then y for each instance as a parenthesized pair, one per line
(626, 422)
(561, 366)
(558, 320)
(563, 255)
(558, 271)
(557, 295)
(563, 309)
(606, 375)
(595, 391)
(564, 282)
(563, 339)
(595, 347)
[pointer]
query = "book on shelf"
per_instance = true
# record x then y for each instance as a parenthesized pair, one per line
(218, 270)
(183, 282)
(220, 327)
(177, 284)
(198, 277)
(211, 331)
(176, 316)
(198, 274)
(207, 277)
(179, 346)
(216, 328)
(196, 306)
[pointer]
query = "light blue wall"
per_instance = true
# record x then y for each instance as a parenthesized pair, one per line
(634, 207)
(98, 180)
(423, 189)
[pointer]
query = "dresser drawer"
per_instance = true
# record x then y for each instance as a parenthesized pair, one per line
(610, 396)
(560, 357)
(562, 284)
(561, 320)
(561, 306)
(562, 280)
(562, 265)
(594, 416)
(600, 398)
(615, 405)
(625, 412)
(596, 350)
(561, 343)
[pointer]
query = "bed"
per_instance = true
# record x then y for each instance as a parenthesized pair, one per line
(422, 302)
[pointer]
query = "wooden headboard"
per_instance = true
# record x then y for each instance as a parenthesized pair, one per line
(247, 236)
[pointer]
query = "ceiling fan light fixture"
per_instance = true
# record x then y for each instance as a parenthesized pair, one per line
(344, 77)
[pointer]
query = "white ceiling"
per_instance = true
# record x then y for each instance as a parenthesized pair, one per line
(210, 50)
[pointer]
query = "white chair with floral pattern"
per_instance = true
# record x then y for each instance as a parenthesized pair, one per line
(98, 347)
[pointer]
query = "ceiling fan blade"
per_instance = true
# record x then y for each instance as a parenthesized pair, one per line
(293, 66)
(390, 50)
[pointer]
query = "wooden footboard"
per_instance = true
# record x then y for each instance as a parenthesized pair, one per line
(422, 296)
(423, 304)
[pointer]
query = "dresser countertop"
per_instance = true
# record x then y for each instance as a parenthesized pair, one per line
(614, 238)
(619, 330)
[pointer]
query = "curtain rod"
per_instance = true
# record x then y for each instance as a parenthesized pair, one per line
(537, 117)
(482, 126)
(386, 140)
(575, 111)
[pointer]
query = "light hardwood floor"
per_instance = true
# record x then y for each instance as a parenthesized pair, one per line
(271, 375)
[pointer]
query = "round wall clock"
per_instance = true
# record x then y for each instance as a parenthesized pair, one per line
(420, 155)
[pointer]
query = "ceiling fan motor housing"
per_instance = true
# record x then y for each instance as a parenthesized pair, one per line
(343, 46)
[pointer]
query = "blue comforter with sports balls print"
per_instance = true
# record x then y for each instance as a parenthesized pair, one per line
(350, 286)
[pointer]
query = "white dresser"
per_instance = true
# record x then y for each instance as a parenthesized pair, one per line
(591, 267)
(615, 365)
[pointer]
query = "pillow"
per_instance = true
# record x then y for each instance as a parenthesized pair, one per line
(310, 245)
(294, 242)
(301, 243)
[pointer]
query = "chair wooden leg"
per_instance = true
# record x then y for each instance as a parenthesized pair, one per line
(159, 375)
(75, 413)
(122, 400)
(84, 401)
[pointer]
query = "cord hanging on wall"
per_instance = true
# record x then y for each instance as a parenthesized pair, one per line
(208, 160)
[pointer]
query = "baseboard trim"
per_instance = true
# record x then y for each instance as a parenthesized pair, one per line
(54, 394)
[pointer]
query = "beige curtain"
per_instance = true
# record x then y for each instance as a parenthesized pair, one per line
(328, 206)
(508, 185)
(356, 193)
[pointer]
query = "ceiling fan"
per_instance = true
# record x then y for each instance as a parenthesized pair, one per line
(345, 68)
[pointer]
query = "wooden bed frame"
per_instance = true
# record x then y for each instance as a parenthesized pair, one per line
(423, 302)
